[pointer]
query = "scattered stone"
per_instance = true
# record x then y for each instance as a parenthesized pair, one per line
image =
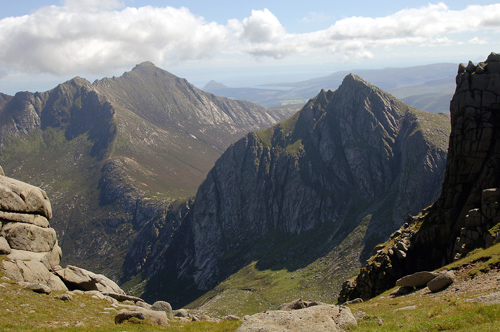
(297, 304)
(79, 323)
(64, 297)
(411, 307)
(123, 297)
(231, 317)
(316, 318)
(417, 279)
(163, 306)
(441, 282)
(356, 300)
(141, 315)
(37, 288)
(181, 313)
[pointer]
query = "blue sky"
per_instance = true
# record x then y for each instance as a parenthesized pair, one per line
(45, 42)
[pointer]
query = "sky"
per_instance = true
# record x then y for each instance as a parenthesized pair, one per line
(46, 42)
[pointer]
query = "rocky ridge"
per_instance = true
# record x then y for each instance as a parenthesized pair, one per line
(466, 214)
(347, 157)
(119, 153)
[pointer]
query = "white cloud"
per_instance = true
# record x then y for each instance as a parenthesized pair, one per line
(94, 35)
(477, 41)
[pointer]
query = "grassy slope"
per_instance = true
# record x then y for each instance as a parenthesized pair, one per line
(27, 311)
(436, 312)
(24, 310)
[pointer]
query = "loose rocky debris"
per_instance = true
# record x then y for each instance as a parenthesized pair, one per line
(322, 317)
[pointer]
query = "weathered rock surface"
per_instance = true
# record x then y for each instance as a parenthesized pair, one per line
(316, 318)
(349, 155)
(417, 279)
(37, 288)
(441, 282)
(142, 314)
(466, 213)
(163, 306)
(4, 246)
(17, 196)
(297, 304)
(79, 278)
(29, 237)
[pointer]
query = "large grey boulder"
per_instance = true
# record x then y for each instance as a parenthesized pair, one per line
(79, 278)
(32, 271)
(29, 237)
(17, 196)
(142, 314)
(319, 318)
(34, 219)
(441, 282)
(417, 279)
(163, 306)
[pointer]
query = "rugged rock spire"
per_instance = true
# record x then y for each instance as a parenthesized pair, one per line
(299, 188)
(466, 213)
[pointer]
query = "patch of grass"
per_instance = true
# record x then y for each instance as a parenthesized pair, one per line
(24, 310)
(431, 314)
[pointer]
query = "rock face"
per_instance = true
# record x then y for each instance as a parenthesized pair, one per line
(466, 214)
(25, 236)
(33, 254)
(348, 156)
(117, 155)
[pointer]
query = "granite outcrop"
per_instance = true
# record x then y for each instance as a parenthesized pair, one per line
(32, 253)
(466, 214)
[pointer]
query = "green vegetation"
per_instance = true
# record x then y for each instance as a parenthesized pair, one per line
(24, 310)
(430, 314)
(436, 312)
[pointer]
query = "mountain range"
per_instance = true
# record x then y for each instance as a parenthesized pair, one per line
(114, 153)
(426, 87)
(177, 193)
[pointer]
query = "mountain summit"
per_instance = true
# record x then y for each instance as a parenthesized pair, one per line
(288, 196)
(116, 153)
(466, 215)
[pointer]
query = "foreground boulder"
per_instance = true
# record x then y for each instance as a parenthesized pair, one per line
(141, 315)
(417, 279)
(316, 318)
(441, 282)
(78, 278)
(25, 235)
(33, 254)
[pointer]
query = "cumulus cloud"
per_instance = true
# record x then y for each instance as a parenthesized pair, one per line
(93, 35)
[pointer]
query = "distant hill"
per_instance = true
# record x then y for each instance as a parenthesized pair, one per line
(435, 81)
(116, 153)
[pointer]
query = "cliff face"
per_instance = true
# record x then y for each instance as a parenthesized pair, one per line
(290, 194)
(115, 154)
(466, 212)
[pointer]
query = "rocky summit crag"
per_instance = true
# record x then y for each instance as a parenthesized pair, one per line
(116, 154)
(289, 195)
(466, 215)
